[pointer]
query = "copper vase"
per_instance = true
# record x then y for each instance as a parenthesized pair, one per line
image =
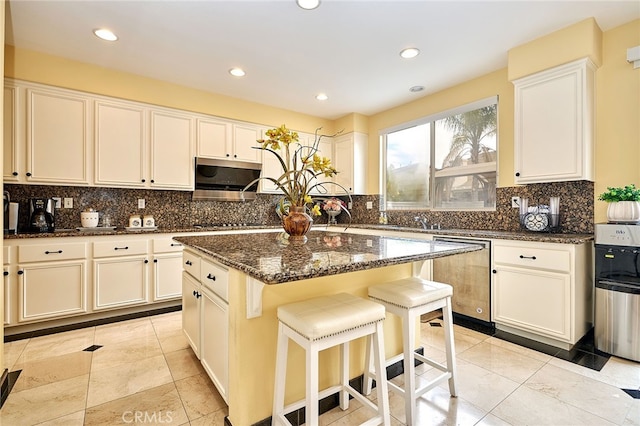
(296, 223)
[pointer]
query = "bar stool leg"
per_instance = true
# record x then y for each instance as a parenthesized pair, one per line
(450, 345)
(367, 379)
(312, 385)
(344, 375)
(409, 332)
(381, 372)
(281, 374)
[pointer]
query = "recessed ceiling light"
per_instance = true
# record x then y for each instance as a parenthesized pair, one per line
(322, 97)
(237, 72)
(409, 52)
(416, 89)
(308, 4)
(105, 34)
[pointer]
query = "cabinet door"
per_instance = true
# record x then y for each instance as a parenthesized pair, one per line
(167, 277)
(120, 282)
(244, 141)
(325, 149)
(53, 289)
(532, 300)
(120, 145)
(554, 125)
(172, 163)
(215, 341)
(7, 295)
(272, 168)
(10, 165)
(343, 161)
(214, 139)
(57, 137)
(191, 311)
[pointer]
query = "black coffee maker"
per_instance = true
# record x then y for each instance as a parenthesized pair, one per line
(41, 215)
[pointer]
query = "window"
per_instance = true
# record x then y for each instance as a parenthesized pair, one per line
(446, 161)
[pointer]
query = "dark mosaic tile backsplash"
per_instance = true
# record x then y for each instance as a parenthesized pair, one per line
(174, 209)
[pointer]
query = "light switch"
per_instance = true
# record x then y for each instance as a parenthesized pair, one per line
(369, 205)
(68, 203)
(141, 203)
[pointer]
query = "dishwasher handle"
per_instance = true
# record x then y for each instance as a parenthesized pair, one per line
(485, 244)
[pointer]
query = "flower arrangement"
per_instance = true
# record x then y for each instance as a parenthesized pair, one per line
(301, 166)
(628, 193)
(334, 205)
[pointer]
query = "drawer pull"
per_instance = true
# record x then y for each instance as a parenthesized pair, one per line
(53, 252)
(176, 245)
(196, 294)
(528, 257)
(211, 277)
(121, 248)
(188, 262)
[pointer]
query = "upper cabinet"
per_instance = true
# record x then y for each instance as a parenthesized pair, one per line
(57, 124)
(350, 159)
(227, 140)
(554, 124)
(11, 167)
(172, 164)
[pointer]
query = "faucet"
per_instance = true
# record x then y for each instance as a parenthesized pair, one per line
(422, 220)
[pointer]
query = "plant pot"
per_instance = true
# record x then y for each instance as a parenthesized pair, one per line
(623, 212)
(296, 223)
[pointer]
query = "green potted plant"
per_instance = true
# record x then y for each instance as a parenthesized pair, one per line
(624, 204)
(301, 166)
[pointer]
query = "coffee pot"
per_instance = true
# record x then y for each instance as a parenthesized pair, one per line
(41, 215)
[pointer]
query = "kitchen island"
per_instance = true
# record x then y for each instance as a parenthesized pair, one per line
(247, 276)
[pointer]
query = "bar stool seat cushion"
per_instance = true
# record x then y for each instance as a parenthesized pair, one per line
(410, 292)
(325, 316)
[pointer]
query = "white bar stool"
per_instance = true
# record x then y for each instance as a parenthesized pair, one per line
(409, 298)
(320, 323)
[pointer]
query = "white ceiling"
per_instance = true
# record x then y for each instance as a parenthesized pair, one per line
(346, 49)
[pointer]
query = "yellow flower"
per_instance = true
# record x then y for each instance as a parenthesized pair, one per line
(316, 210)
(307, 199)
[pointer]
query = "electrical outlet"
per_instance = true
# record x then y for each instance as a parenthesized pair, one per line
(349, 205)
(141, 203)
(68, 203)
(515, 202)
(58, 202)
(369, 205)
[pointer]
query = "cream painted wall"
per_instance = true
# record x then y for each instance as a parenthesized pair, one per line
(42, 68)
(488, 85)
(617, 114)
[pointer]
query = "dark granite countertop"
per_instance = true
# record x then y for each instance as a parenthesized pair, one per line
(273, 259)
(475, 233)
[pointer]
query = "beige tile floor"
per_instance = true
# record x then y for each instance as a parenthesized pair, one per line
(146, 366)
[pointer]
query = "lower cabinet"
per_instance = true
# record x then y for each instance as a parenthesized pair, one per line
(167, 269)
(205, 316)
(543, 290)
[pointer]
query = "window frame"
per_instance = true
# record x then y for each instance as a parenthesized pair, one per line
(451, 171)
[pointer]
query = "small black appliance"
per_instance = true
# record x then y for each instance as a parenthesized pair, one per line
(41, 215)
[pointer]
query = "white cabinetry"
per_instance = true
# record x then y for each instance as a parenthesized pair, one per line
(52, 280)
(120, 270)
(205, 316)
(11, 167)
(8, 288)
(167, 269)
(172, 165)
(57, 137)
(554, 124)
(120, 144)
(227, 140)
(542, 290)
(350, 159)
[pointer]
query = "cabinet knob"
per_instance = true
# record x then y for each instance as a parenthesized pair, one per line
(155, 260)
(15, 173)
(235, 156)
(144, 180)
(20, 272)
(146, 261)
(5, 273)
(153, 181)
(211, 277)
(188, 262)
(28, 174)
(227, 155)
(517, 173)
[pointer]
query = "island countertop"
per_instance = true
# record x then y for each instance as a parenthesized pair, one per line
(272, 259)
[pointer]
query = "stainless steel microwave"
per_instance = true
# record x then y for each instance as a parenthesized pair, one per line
(224, 180)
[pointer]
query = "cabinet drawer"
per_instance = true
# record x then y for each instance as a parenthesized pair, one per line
(120, 248)
(215, 278)
(533, 257)
(166, 245)
(51, 252)
(191, 264)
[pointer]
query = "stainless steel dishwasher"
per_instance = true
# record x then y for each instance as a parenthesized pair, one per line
(469, 274)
